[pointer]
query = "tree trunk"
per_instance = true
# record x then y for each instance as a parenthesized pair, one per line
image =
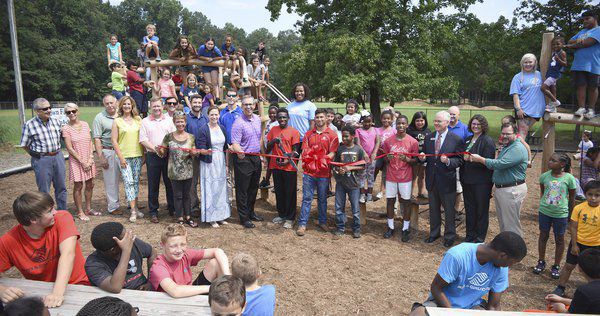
(392, 103)
(375, 103)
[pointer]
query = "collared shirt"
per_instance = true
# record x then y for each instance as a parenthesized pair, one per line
(461, 130)
(511, 164)
(41, 137)
(102, 128)
(227, 118)
(443, 135)
(153, 130)
(194, 123)
(246, 133)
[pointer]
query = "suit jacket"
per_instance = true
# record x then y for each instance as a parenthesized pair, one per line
(476, 173)
(203, 142)
(438, 174)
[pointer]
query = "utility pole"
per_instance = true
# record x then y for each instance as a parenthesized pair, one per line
(16, 60)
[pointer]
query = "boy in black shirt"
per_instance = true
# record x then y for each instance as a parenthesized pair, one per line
(347, 182)
(586, 299)
(117, 261)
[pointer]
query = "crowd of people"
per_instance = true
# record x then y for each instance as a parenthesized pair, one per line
(222, 150)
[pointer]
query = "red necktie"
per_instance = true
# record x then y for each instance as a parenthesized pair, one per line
(438, 143)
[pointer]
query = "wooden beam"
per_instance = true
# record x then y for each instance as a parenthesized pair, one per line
(174, 62)
(549, 139)
(546, 53)
(154, 77)
(569, 118)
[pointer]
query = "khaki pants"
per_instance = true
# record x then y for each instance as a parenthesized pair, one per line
(111, 177)
(508, 207)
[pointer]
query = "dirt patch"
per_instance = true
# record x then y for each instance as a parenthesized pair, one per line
(316, 274)
(493, 108)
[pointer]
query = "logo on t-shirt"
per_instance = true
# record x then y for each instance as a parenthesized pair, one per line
(131, 268)
(479, 279)
(39, 255)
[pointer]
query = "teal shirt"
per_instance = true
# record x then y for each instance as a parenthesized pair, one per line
(510, 165)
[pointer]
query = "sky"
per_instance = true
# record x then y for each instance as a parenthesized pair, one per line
(251, 14)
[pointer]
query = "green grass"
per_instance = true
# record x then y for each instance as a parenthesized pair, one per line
(9, 120)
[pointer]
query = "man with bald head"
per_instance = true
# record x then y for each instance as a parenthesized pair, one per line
(441, 177)
(41, 140)
(108, 161)
(461, 130)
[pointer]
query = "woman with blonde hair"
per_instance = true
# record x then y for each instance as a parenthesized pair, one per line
(81, 160)
(528, 98)
(126, 142)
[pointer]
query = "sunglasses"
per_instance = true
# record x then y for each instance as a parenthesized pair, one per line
(282, 117)
(231, 95)
(70, 112)
(45, 109)
(171, 103)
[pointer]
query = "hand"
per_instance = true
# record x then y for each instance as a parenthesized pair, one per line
(53, 300)
(123, 163)
(476, 158)
(145, 287)
(520, 114)
(444, 159)
(10, 294)
(126, 244)
(422, 156)
(143, 160)
(467, 157)
(574, 249)
(529, 164)
(550, 298)
(402, 157)
(558, 307)
(103, 162)
(241, 156)
(373, 156)
(277, 140)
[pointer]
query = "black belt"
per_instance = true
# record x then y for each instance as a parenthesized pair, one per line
(108, 147)
(38, 155)
(508, 185)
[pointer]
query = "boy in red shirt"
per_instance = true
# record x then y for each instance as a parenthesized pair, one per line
(44, 246)
(399, 174)
(284, 174)
(319, 146)
(171, 271)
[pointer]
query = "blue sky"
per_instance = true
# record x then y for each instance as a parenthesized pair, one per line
(251, 14)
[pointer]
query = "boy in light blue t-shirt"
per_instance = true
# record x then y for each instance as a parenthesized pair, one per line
(470, 271)
(260, 300)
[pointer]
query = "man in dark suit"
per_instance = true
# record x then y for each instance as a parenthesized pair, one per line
(441, 177)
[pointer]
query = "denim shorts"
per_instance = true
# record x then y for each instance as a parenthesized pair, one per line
(571, 258)
(559, 224)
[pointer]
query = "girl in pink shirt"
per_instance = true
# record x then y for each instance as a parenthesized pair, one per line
(165, 86)
(385, 131)
(367, 138)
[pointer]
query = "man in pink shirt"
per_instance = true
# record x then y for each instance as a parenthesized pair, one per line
(152, 132)
(171, 271)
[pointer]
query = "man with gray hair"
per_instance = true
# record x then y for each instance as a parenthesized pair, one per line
(441, 177)
(108, 160)
(41, 140)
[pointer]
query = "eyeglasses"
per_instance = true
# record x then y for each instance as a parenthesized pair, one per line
(248, 104)
(171, 103)
(475, 124)
(70, 112)
(45, 109)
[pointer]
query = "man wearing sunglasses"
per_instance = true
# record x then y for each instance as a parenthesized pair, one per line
(195, 120)
(41, 140)
(227, 117)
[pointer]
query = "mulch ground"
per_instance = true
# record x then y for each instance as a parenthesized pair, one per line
(317, 274)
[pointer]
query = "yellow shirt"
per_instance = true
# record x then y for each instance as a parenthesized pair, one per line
(588, 224)
(129, 137)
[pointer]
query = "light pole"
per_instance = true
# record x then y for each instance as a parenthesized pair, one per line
(16, 60)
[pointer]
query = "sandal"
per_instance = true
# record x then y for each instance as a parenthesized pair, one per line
(83, 217)
(180, 221)
(191, 223)
(94, 213)
(540, 267)
(214, 224)
(132, 217)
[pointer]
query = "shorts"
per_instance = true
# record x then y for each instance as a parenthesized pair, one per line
(201, 280)
(367, 178)
(458, 184)
(430, 302)
(528, 119)
(404, 189)
(550, 81)
(559, 224)
(584, 78)
(571, 258)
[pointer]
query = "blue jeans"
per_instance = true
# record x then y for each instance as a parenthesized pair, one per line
(308, 188)
(51, 170)
(118, 94)
(340, 207)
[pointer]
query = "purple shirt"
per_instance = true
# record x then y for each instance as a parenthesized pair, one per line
(246, 133)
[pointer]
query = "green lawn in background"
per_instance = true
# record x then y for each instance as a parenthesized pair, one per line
(9, 120)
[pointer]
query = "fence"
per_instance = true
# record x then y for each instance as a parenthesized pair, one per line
(12, 105)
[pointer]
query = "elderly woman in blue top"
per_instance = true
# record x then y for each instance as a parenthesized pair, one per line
(302, 111)
(528, 98)
(209, 52)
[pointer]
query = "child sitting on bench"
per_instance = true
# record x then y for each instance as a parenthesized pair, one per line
(260, 300)
(171, 271)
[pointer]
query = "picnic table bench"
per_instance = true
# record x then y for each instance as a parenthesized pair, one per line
(438, 311)
(149, 303)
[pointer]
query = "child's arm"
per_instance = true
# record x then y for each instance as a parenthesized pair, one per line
(221, 257)
(573, 225)
(542, 189)
(63, 272)
(176, 291)
(114, 283)
(212, 101)
(562, 58)
(108, 55)
(120, 54)
(517, 106)
(528, 151)
(376, 148)
(571, 200)
(172, 87)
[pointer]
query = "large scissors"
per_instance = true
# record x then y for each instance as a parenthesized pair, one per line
(288, 155)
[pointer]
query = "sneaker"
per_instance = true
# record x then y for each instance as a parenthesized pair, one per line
(540, 267)
(388, 234)
(557, 103)
(140, 214)
(288, 224)
(369, 197)
(323, 227)
(555, 271)
(551, 107)
(338, 233)
(264, 184)
(379, 195)
(580, 112)
(405, 235)
(356, 234)
(278, 220)
(559, 290)
(214, 225)
(363, 198)
(301, 231)
(590, 114)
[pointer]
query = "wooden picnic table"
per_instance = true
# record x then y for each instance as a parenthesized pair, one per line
(438, 311)
(149, 303)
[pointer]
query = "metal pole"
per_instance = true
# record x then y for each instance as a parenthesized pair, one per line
(16, 60)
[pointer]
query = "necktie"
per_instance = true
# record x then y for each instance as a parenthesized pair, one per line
(438, 143)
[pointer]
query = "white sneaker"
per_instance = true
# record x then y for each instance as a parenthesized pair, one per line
(379, 195)
(369, 197)
(580, 112)
(590, 114)
(363, 198)
(278, 220)
(288, 224)
(557, 103)
(214, 224)
(551, 107)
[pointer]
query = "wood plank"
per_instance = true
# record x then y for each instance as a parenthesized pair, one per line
(414, 216)
(149, 303)
(363, 213)
(438, 311)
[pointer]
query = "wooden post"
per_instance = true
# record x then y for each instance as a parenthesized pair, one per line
(549, 136)
(154, 77)
(546, 53)
(363, 213)
(264, 194)
(414, 216)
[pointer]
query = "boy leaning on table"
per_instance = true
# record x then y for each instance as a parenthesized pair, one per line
(44, 246)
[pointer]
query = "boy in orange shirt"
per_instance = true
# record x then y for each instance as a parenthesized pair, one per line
(44, 246)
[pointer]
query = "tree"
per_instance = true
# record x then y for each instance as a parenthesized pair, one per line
(562, 15)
